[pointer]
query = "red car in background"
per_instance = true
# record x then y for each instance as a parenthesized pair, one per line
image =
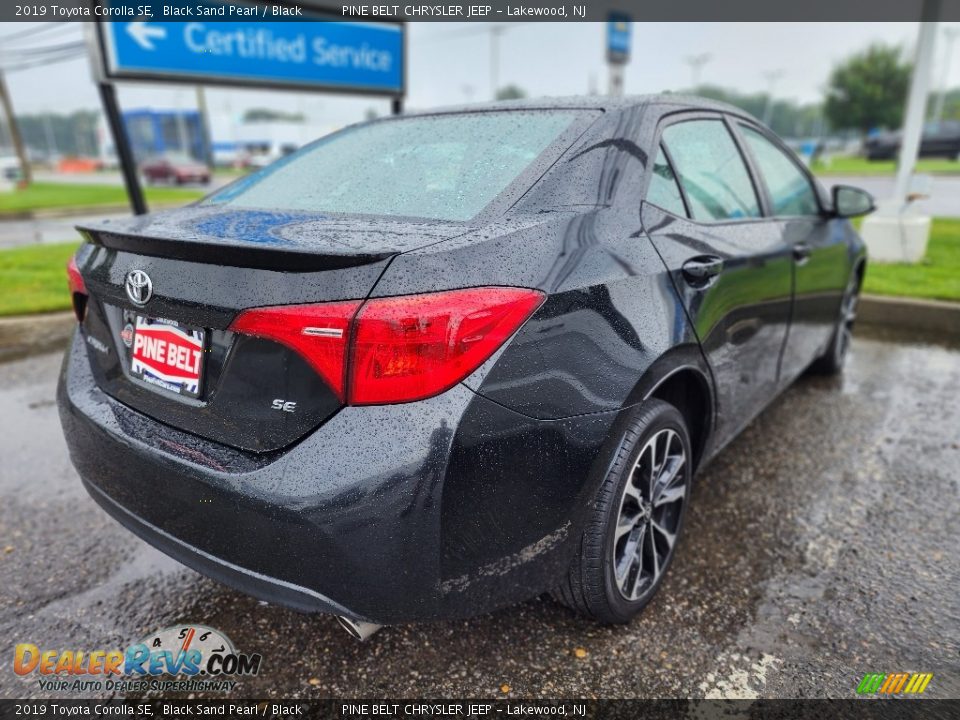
(177, 169)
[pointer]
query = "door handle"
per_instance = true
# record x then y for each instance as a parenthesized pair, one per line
(701, 270)
(801, 253)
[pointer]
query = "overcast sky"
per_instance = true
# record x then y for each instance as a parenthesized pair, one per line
(449, 63)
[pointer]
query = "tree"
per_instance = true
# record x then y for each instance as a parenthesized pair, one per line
(511, 92)
(788, 118)
(868, 90)
(951, 105)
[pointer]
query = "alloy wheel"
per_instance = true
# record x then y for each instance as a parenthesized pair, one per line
(650, 512)
(848, 316)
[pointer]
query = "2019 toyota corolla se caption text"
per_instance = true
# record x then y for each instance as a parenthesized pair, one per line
(432, 365)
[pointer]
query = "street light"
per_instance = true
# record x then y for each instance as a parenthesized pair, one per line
(772, 76)
(696, 63)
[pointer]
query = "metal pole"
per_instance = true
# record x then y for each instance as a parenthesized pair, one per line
(128, 164)
(696, 62)
(495, 32)
(616, 80)
(916, 101)
(205, 127)
(396, 106)
(51, 140)
(949, 34)
(14, 130)
(772, 78)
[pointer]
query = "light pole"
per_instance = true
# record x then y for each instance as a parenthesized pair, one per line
(772, 76)
(696, 63)
(897, 232)
(496, 31)
(949, 35)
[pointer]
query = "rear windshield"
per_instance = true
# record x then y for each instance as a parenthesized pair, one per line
(447, 167)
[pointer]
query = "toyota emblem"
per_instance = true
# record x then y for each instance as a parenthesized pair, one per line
(139, 287)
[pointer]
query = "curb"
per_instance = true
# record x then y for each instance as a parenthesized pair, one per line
(921, 316)
(24, 335)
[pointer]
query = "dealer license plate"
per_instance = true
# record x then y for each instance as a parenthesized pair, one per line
(168, 355)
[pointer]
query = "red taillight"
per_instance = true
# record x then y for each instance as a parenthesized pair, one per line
(400, 348)
(412, 347)
(318, 332)
(78, 289)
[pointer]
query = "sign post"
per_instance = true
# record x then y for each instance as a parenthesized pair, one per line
(121, 143)
(319, 55)
(618, 50)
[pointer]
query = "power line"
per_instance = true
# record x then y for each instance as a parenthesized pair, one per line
(48, 50)
(30, 32)
(37, 62)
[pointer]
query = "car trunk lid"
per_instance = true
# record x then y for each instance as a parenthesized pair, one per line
(204, 266)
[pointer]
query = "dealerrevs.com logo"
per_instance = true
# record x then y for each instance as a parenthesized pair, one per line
(205, 657)
(894, 683)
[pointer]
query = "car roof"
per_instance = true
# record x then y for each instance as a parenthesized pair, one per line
(591, 102)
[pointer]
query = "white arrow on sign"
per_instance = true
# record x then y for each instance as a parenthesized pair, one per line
(144, 34)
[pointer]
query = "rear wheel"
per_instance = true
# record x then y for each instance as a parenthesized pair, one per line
(629, 543)
(835, 356)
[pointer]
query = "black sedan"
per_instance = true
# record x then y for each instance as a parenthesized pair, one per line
(940, 140)
(436, 364)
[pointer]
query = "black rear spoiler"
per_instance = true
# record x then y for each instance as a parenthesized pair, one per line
(222, 252)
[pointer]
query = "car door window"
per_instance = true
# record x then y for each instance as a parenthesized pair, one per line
(790, 191)
(664, 191)
(711, 171)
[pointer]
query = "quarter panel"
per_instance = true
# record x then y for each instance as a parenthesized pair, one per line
(611, 308)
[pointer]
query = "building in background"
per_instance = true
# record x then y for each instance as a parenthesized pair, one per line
(236, 141)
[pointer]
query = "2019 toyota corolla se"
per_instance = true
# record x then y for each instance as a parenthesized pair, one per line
(436, 364)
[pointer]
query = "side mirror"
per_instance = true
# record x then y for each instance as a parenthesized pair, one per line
(849, 201)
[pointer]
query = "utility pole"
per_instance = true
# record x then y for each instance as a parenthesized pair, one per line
(14, 130)
(696, 63)
(772, 76)
(949, 35)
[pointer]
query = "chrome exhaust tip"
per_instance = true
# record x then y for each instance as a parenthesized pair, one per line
(359, 629)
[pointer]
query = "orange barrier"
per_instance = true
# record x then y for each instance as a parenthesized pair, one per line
(78, 165)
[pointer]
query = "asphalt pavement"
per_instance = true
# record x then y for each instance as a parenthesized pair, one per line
(820, 545)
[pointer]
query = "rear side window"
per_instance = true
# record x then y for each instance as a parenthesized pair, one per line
(446, 167)
(790, 191)
(664, 191)
(711, 171)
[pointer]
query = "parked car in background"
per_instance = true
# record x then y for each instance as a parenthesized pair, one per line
(10, 168)
(259, 160)
(436, 364)
(175, 168)
(939, 140)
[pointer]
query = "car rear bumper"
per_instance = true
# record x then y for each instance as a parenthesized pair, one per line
(444, 508)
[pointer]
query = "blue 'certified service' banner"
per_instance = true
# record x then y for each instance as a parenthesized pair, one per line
(359, 57)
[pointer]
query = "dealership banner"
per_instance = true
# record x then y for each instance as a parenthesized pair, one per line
(485, 10)
(481, 709)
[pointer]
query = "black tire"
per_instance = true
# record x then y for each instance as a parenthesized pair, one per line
(592, 586)
(835, 356)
